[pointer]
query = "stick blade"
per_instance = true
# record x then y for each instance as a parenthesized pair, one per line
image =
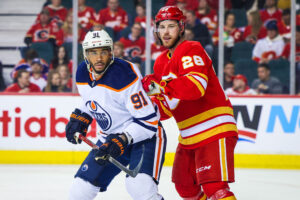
(133, 173)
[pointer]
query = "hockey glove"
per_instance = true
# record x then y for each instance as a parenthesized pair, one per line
(79, 122)
(114, 146)
(152, 85)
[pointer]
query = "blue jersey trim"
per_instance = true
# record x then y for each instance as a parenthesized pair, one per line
(147, 117)
(144, 125)
(119, 75)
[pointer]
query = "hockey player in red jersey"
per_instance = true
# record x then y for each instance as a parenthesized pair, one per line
(185, 86)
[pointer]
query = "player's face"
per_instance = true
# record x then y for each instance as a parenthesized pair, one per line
(168, 31)
(99, 58)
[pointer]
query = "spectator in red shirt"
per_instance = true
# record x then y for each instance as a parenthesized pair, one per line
(182, 5)
(190, 4)
(67, 29)
(44, 31)
(156, 48)
(141, 15)
(271, 12)
(207, 15)
(232, 34)
(113, 17)
(284, 26)
(255, 29)
(22, 83)
(134, 44)
(57, 11)
(86, 16)
(287, 48)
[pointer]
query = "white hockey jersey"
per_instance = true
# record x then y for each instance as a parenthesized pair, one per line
(268, 49)
(117, 101)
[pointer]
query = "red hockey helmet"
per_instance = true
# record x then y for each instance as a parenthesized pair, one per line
(170, 13)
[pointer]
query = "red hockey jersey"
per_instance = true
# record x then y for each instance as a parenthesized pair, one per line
(87, 18)
(266, 16)
(117, 21)
(194, 95)
(133, 48)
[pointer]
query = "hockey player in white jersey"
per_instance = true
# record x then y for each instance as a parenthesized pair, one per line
(113, 95)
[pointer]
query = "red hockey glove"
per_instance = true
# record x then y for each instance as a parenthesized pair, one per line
(152, 85)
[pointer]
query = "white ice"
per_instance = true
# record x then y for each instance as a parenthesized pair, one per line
(52, 182)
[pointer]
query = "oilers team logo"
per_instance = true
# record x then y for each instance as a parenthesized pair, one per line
(102, 117)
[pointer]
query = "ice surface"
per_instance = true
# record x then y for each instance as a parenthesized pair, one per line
(52, 182)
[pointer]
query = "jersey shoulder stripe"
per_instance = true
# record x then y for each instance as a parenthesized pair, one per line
(119, 76)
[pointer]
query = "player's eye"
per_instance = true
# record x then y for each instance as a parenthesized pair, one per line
(93, 53)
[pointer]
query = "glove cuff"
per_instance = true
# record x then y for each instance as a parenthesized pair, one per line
(81, 116)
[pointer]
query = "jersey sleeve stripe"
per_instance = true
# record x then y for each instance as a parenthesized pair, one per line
(165, 110)
(201, 80)
(151, 128)
(147, 117)
(79, 83)
(208, 134)
(209, 124)
(198, 84)
(199, 74)
(158, 153)
(204, 116)
(153, 123)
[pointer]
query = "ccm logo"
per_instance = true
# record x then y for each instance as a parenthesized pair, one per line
(203, 168)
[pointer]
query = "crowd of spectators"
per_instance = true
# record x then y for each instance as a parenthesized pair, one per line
(267, 29)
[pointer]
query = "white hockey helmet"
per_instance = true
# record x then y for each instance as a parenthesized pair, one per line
(96, 39)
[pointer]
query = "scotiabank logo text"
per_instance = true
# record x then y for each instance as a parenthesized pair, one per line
(14, 126)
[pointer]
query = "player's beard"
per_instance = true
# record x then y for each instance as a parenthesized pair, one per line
(172, 44)
(104, 69)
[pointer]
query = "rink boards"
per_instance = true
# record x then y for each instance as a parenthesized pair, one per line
(32, 131)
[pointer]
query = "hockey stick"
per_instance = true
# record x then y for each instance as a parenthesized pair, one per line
(131, 173)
